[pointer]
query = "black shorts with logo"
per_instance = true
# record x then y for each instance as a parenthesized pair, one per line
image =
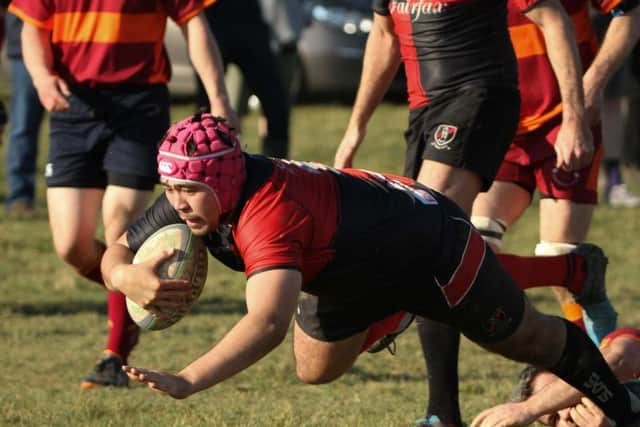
(108, 136)
(464, 286)
(470, 128)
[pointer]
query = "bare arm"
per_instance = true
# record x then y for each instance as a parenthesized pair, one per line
(622, 354)
(206, 59)
(621, 36)
(38, 58)
(272, 297)
(574, 143)
(380, 65)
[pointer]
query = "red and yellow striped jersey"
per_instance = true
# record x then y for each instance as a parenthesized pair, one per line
(108, 42)
(539, 89)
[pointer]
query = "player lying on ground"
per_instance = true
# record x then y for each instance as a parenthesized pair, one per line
(341, 250)
(540, 391)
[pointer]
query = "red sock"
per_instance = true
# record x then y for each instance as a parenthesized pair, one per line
(123, 332)
(93, 273)
(381, 328)
(567, 271)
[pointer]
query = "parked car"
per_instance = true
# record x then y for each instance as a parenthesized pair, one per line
(330, 51)
(331, 48)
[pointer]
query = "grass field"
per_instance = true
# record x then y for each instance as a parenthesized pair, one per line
(53, 324)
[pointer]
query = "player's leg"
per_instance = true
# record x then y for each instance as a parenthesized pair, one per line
(75, 186)
(259, 65)
(139, 121)
(73, 215)
(459, 157)
(119, 207)
(329, 334)
(495, 314)
(320, 362)
(566, 210)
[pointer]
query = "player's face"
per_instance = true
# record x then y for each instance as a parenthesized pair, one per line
(196, 205)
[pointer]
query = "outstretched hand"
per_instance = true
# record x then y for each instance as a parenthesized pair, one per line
(506, 415)
(165, 383)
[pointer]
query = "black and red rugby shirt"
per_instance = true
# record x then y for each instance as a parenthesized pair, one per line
(343, 230)
(446, 45)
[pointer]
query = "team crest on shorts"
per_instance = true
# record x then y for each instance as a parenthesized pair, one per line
(443, 136)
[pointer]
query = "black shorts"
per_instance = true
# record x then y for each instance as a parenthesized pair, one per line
(470, 129)
(108, 136)
(466, 288)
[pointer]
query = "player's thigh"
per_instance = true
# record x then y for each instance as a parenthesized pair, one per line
(568, 198)
(460, 185)
(564, 220)
(319, 361)
(505, 201)
(73, 216)
(120, 206)
(330, 331)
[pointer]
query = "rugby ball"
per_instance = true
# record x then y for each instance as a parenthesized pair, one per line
(189, 262)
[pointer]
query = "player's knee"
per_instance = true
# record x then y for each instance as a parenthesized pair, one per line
(491, 229)
(313, 373)
(532, 340)
(75, 254)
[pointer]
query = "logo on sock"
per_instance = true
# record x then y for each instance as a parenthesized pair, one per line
(595, 385)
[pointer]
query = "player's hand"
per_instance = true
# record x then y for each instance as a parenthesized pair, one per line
(173, 385)
(508, 414)
(574, 145)
(141, 283)
(223, 109)
(588, 414)
(348, 147)
(53, 92)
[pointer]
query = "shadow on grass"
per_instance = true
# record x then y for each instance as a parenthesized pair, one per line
(204, 306)
(55, 308)
(365, 375)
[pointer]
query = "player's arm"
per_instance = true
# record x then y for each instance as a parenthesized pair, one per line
(206, 59)
(379, 67)
(621, 36)
(574, 143)
(38, 58)
(622, 355)
(272, 297)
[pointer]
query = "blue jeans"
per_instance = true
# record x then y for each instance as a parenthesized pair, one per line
(25, 117)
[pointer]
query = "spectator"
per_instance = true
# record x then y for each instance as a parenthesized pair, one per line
(616, 192)
(243, 37)
(26, 118)
(100, 69)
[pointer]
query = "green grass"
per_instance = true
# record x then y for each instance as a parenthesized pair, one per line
(53, 324)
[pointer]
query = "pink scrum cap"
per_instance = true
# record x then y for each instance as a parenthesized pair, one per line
(203, 149)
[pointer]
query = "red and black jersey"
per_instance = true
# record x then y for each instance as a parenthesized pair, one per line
(450, 44)
(343, 230)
